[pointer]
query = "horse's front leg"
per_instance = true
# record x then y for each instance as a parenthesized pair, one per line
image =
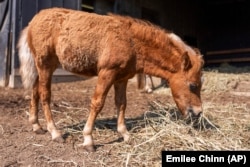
(45, 76)
(148, 87)
(121, 102)
(105, 80)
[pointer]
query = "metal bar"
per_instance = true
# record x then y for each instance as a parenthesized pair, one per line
(231, 51)
(13, 44)
(87, 7)
(244, 59)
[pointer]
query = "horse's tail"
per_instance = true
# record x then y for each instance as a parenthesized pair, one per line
(28, 69)
(140, 81)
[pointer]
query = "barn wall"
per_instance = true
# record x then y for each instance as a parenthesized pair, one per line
(219, 28)
(22, 12)
(123, 7)
(225, 29)
(179, 16)
(199, 23)
(103, 7)
(26, 9)
(4, 40)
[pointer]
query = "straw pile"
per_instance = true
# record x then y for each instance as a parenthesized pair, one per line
(161, 129)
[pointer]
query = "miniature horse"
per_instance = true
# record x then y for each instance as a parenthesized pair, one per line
(114, 48)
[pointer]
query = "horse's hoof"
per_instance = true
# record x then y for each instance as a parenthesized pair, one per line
(59, 139)
(40, 131)
(149, 91)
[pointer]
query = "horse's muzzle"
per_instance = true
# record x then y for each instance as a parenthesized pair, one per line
(195, 112)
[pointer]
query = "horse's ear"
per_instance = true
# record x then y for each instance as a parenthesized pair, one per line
(186, 62)
(197, 51)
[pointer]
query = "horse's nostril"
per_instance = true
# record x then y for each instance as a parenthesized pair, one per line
(199, 114)
(190, 110)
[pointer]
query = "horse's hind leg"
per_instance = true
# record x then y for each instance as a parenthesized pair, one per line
(121, 102)
(45, 76)
(33, 117)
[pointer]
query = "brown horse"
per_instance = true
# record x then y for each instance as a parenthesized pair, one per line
(114, 48)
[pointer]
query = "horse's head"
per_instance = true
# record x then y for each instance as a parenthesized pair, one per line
(186, 84)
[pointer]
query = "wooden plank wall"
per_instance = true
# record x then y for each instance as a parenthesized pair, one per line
(4, 40)
(22, 12)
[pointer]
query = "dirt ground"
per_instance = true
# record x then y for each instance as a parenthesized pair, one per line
(19, 146)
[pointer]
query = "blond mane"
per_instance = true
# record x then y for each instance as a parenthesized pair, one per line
(146, 30)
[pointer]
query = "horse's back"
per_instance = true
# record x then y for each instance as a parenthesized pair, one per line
(79, 27)
(81, 42)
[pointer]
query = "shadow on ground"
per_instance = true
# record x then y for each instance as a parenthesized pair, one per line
(158, 114)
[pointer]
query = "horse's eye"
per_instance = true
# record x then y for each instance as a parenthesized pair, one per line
(193, 87)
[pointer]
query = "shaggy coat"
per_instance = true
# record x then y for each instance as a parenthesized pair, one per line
(114, 48)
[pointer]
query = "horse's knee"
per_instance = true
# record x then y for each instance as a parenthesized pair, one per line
(97, 105)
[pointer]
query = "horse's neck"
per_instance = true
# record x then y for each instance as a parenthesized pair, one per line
(155, 58)
(155, 65)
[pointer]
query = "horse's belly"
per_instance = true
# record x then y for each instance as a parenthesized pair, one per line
(82, 64)
(76, 53)
(79, 70)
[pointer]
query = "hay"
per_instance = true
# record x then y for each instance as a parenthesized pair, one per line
(225, 78)
(162, 129)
